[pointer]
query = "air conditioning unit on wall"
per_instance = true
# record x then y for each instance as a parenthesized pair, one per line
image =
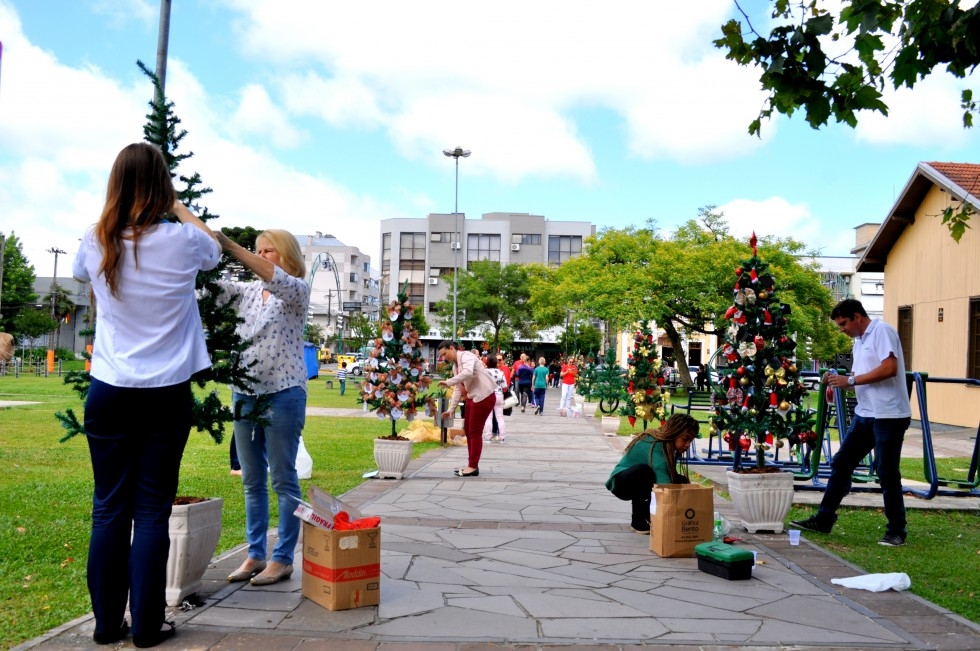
(515, 247)
(454, 246)
(433, 281)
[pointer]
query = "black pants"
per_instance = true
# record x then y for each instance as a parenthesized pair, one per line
(526, 394)
(635, 484)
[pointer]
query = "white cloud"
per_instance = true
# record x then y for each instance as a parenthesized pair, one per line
(505, 76)
(257, 115)
(124, 11)
(778, 217)
(928, 115)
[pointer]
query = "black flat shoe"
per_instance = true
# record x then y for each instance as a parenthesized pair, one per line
(167, 631)
(473, 473)
(113, 636)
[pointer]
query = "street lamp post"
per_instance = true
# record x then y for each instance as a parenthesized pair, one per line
(456, 153)
(52, 341)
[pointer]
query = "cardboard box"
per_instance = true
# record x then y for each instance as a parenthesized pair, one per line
(681, 517)
(342, 569)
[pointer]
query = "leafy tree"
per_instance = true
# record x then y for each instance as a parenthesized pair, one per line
(683, 282)
(314, 333)
(496, 297)
(875, 42)
(359, 330)
(17, 292)
(63, 306)
(33, 323)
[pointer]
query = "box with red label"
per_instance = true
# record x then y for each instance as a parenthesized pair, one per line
(342, 569)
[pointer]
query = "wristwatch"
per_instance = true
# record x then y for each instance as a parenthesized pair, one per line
(850, 380)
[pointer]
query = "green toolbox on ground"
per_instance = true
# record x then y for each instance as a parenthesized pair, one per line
(727, 561)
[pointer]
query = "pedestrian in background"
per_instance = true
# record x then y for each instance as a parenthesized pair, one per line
(540, 385)
(342, 377)
(497, 417)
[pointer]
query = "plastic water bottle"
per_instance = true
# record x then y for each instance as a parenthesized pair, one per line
(718, 534)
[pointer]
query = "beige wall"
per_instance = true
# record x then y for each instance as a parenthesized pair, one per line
(928, 270)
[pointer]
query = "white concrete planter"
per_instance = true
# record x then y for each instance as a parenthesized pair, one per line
(762, 500)
(590, 408)
(610, 425)
(392, 457)
(578, 400)
(194, 533)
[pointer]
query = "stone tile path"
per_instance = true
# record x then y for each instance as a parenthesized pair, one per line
(536, 554)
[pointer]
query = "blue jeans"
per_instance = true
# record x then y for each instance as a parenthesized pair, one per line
(265, 449)
(343, 386)
(885, 436)
(539, 398)
(136, 438)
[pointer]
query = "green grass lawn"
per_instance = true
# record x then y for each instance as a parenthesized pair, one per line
(47, 493)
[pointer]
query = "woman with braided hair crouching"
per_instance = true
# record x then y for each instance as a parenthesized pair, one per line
(652, 458)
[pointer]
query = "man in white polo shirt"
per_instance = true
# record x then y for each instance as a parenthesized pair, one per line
(880, 420)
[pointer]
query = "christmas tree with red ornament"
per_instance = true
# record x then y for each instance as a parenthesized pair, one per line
(646, 397)
(394, 372)
(758, 398)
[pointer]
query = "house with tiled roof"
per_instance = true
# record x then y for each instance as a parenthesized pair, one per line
(933, 296)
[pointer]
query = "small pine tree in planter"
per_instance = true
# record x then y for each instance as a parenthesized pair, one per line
(195, 522)
(395, 382)
(647, 399)
(608, 387)
(759, 395)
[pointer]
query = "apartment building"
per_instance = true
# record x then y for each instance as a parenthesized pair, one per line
(424, 252)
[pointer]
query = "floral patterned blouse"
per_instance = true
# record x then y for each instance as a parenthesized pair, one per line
(275, 329)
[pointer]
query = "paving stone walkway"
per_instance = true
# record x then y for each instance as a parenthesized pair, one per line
(536, 554)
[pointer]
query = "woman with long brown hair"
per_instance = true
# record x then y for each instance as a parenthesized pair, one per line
(652, 458)
(148, 343)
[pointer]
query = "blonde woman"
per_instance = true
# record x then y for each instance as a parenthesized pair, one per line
(651, 458)
(273, 310)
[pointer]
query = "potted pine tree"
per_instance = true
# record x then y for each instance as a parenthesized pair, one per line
(394, 384)
(758, 398)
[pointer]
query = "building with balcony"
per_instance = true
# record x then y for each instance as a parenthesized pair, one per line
(424, 252)
(342, 282)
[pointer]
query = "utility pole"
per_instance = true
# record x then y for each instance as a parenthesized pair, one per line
(163, 40)
(54, 288)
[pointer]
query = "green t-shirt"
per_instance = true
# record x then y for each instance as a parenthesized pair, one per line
(540, 377)
(641, 453)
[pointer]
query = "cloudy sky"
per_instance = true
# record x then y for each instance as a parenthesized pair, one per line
(329, 116)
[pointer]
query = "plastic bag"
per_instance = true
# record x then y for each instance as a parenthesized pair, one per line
(897, 581)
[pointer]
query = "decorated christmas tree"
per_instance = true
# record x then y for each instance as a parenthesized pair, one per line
(395, 380)
(759, 394)
(646, 397)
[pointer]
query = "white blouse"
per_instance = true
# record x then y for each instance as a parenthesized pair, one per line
(151, 334)
(275, 329)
